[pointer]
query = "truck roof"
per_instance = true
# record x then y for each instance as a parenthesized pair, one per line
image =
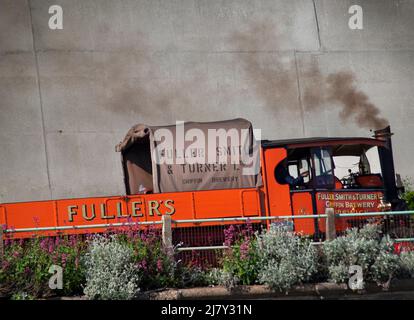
(342, 145)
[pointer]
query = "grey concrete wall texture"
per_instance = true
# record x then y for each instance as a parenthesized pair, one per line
(68, 96)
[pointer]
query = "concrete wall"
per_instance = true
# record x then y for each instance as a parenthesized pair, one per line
(68, 96)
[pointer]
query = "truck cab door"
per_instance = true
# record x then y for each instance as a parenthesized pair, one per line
(278, 196)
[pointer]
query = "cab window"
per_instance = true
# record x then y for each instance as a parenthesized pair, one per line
(323, 168)
(297, 167)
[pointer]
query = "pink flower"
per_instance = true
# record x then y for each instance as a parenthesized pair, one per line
(249, 228)
(142, 265)
(44, 244)
(229, 235)
(5, 264)
(143, 236)
(54, 258)
(27, 270)
(51, 247)
(64, 258)
(159, 265)
(73, 240)
(244, 249)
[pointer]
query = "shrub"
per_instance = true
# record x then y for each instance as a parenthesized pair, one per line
(286, 258)
(407, 264)
(363, 247)
(409, 198)
(21, 296)
(110, 270)
(386, 262)
(156, 267)
(213, 276)
(26, 263)
(241, 261)
(191, 276)
(25, 267)
(224, 278)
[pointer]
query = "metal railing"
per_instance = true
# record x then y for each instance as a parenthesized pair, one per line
(80, 227)
(270, 219)
(75, 227)
(217, 243)
(378, 213)
(197, 241)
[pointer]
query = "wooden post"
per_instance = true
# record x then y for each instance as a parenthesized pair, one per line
(330, 224)
(167, 234)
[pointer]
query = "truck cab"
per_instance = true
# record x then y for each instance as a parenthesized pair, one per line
(306, 176)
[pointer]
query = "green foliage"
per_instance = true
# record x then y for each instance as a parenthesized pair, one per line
(386, 263)
(407, 264)
(156, 268)
(409, 198)
(21, 296)
(116, 266)
(224, 278)
(214, 276)
(110, 271)
(192, 276)
(365, 248)
(241, 261)
(25, 267)
(286, 258)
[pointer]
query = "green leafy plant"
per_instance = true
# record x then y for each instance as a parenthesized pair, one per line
(409, 199)
(408, 195)
(407, 264)
(156, 266)
(21, 296)
(366, 248)
(26, 263)
(241, 261)
(224, 278)
(110, 270)
(286, 258)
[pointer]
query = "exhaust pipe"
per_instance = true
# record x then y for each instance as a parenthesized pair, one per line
(387, 164)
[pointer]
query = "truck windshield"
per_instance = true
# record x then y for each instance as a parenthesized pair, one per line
(323, 168)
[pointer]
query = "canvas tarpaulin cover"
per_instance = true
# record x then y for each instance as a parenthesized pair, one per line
(190, 156)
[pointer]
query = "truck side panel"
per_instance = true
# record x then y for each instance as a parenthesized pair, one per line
(116, 209)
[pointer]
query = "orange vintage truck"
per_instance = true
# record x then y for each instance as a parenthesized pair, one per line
(360, 191)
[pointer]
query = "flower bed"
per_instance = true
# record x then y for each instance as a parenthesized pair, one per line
(120, 265)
